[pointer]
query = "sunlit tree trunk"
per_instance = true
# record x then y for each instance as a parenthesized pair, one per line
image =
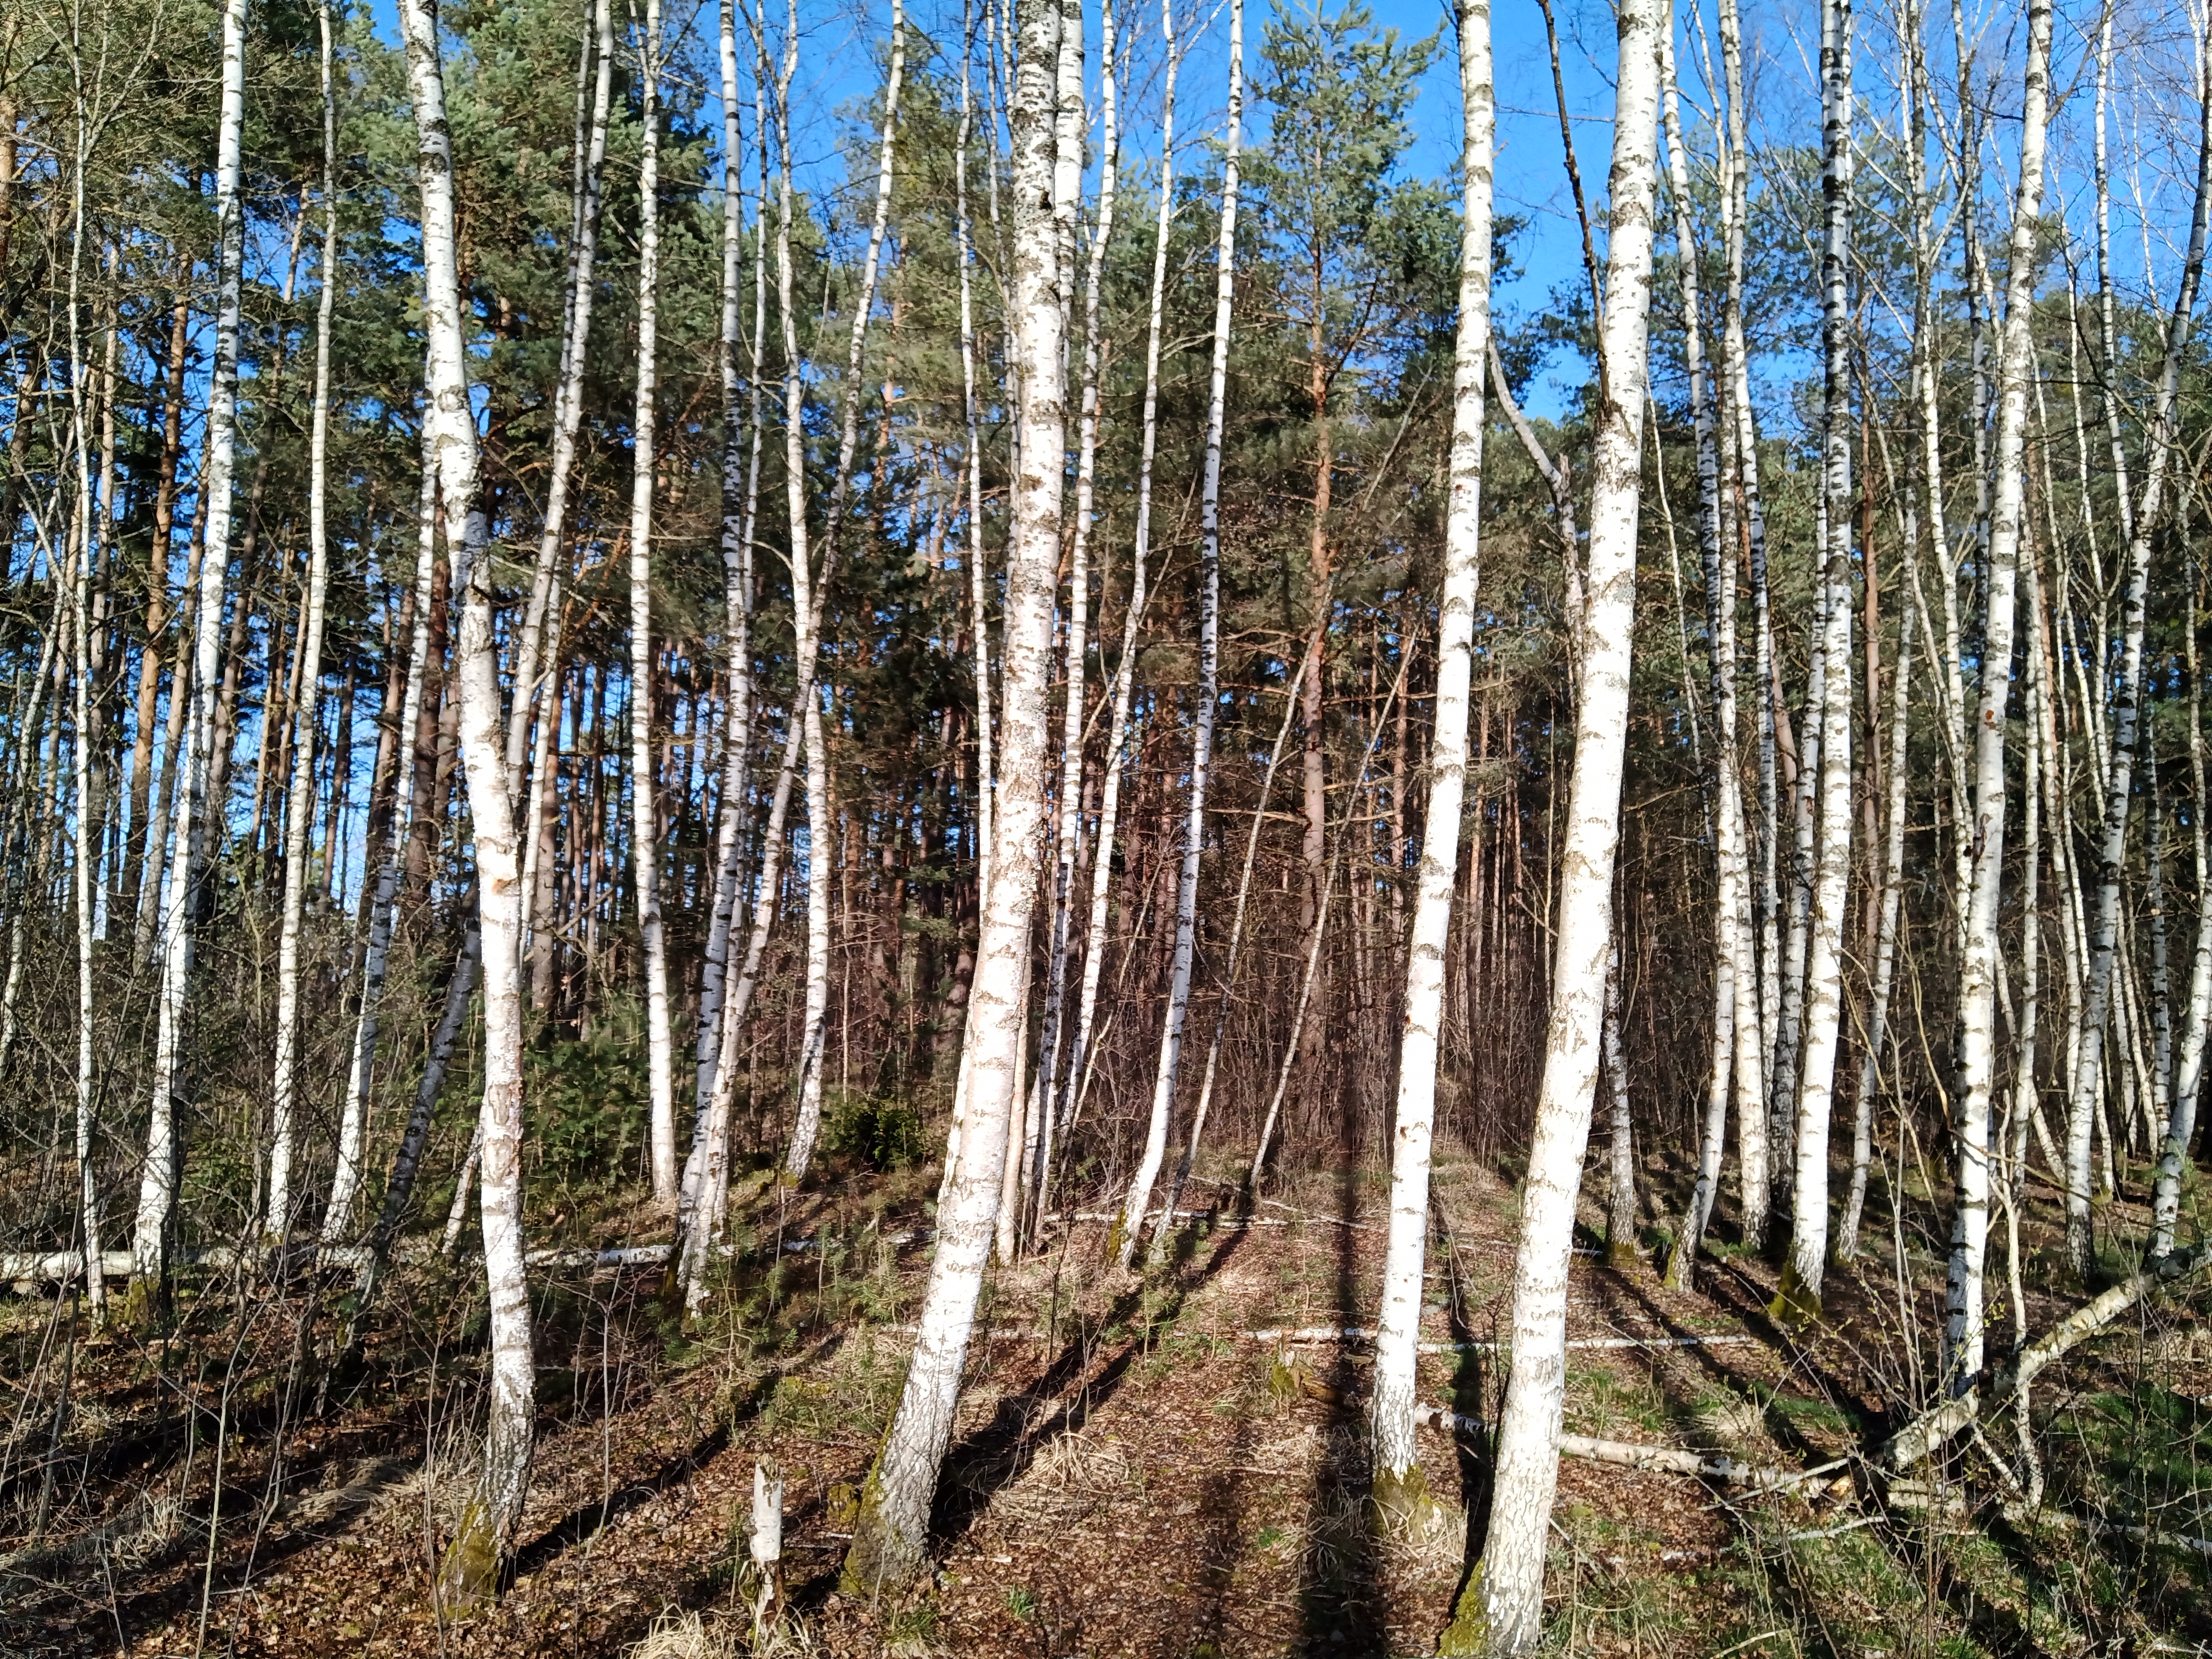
(486, 1533)
(196, 828)
(1502, 1607)
(1399, 1490)
(299, 815)
(1799, 1294)
(888, 1535)
(645, 816)
(1204, 694)
(806, 1123)
(1980, 965)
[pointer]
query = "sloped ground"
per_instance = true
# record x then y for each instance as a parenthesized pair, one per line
(1131, 1474)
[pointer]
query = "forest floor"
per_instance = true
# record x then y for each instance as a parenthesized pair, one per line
(1133, 1474)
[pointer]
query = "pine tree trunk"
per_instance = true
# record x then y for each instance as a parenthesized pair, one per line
(196, 831)
(1502, 1607)
(895, 1502)
(1132, 1219)
(1400, 1491)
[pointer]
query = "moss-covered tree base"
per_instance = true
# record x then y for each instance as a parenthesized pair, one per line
(1796, 1304)
(1467, 1635)
(1620, 1253)
(468, 1577)
(1401, 1509)
(880, 1557)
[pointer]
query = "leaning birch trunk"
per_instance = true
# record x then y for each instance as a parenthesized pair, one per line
(486, 1532)
(978, 581)
(299, 812)
(1502, 1609)
(1980, 964)
(376, 956)
(644, 783)
(1044, 1092)
(1799, 1297)
(198, 818)
(895, 1502)
(1620, 1196)
(569, 398)
(1893, 892)
(1132, 1219)
(83, 545)
(1125, 674)
(2189, 1074)
(1401, 1494)
(806, 1121)
(708, 1159)
(2162, 436)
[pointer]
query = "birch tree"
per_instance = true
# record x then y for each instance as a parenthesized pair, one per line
(894, 1514)
(1206, 693)
(1501, 1611)
(486, 1533)
(299, 814)
(198, 822)
(1400, 1491)
(1980, 966)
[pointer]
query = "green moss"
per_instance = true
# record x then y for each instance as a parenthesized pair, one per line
(880, 1557)
(1398, 1503)
(1620, 1253)
(1467, 1635)
(1796, 1304)
(468, 1577)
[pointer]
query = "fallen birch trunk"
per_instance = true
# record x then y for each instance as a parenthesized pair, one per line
(1932, 1429)
(1360, 1333)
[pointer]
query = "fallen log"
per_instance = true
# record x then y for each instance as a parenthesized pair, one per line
(1934, 1428)
(1360, 1333)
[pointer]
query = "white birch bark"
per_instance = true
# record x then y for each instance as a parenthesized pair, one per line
(1132, 1220)
(806, 1122)
(1399, 1486)
(487, 1533)
(887, 1536)
(598, 55)
(1799, 1294)
(2127, 701)
(1980, 964)
(1502, 1610)
(299, 812)
(1045, 1091)
(2189, 1073)
(199, 818)
(645, 775)
(376, 956)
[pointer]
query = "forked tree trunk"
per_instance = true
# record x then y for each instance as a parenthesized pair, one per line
(1502, 1609)
(895, 1502)
(196, 830)
(299, 814)
(486, 1533)
(1980, 965)
(1132, 1219)
(1400, 1491)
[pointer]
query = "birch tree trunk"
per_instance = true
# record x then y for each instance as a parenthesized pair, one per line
(486, 1533)
(198, 818)
(2127, 702)
(299, 813)
(2189, 1074)
(1799, 1296)
(1132, 1219)
(1980, 965)
(1400, 1492)
(806, 1123)
(645, 816)
(1502, 1609)
(889, 1533)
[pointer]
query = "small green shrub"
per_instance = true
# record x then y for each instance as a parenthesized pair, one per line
(883, 1131)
